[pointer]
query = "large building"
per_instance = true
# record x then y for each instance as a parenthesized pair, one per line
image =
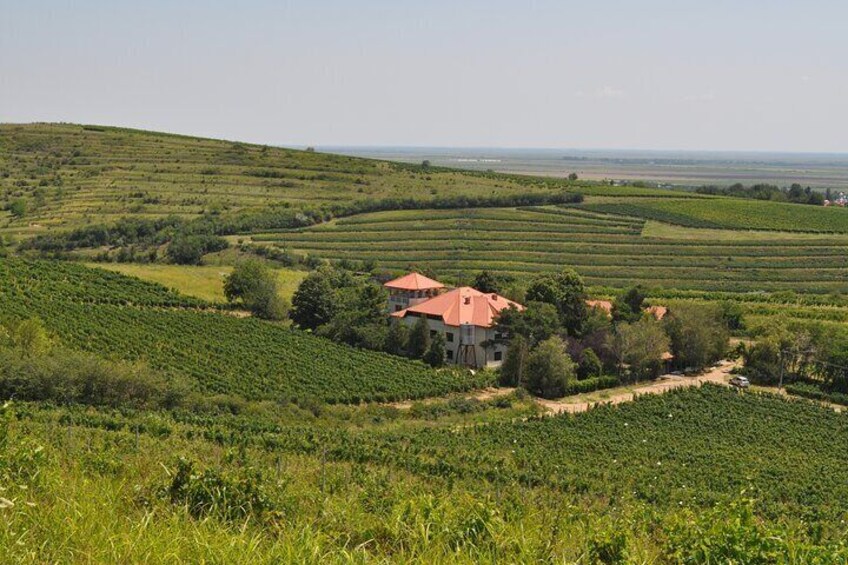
(464, 316)
(411, 290)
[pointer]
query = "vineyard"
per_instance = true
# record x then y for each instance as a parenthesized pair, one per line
(70, 176)
(744, 477)
(608, 250)
(116, 316)
(729, 213)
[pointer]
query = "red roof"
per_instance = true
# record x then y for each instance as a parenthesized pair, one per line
(413, 281)
(463, 305)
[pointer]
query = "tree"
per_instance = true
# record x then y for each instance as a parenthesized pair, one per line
(572, 177)
(567, 293)
(550, 371)
(487, 282)
(313, 303)
(419, 338)
(590, 365)
(30, 337)
(397, 338)
(627, 307)
(641, 346)
(425, 164)
(435, 354)
(514, 368)
(255, 285)
(698, 335)
(189, 249)
(733, 315)
(537, 322)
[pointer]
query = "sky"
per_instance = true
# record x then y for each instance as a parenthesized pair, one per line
(757, 75)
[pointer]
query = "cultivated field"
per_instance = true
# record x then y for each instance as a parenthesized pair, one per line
(125, 318)
(608, 250)
(674, 478)
(71, 175)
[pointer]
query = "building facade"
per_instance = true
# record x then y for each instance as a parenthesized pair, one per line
(466, 319)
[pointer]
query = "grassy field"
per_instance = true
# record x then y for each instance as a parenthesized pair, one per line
(205, 282)
(608, 250)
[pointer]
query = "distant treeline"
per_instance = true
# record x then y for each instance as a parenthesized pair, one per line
(795, 193)
(187, 240)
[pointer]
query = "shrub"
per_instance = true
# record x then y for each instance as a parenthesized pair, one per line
(550, 371)
(222, 494)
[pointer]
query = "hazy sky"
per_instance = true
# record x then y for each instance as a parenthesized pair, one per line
(664, 74)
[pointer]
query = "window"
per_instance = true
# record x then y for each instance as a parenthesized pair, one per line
(498, 355)
(449, 337)
(398, 307)
(449, 354)
(499, 335)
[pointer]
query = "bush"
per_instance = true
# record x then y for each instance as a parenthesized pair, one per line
(550, 371)
(591, 385)
(63, 376)
(255, 285)
(224, 495)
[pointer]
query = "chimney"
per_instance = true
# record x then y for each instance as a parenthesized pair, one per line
(494, 296)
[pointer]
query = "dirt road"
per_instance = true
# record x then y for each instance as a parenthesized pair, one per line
(720, 375)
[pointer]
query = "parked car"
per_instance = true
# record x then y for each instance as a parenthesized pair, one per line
(740, 382)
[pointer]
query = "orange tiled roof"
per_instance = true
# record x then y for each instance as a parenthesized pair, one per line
(413, 281)
(463, 305)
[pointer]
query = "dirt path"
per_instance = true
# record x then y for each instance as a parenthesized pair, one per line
(482, 394)
(720, 375)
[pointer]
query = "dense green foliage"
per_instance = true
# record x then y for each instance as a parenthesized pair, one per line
(111, 315)
(795, 193)
(254, 284)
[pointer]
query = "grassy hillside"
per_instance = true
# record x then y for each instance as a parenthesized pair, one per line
(70, 175)
(693, 476)
(115, 316)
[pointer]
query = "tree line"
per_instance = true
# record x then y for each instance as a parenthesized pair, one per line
(795, 193)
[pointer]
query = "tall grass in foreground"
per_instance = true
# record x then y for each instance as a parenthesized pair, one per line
(77, 494)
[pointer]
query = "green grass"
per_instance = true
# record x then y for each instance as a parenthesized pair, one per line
(205, 282)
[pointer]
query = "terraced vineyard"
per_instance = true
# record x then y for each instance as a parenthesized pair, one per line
(608, 250)
(116, 316)
(729, 213)
(70, 175)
